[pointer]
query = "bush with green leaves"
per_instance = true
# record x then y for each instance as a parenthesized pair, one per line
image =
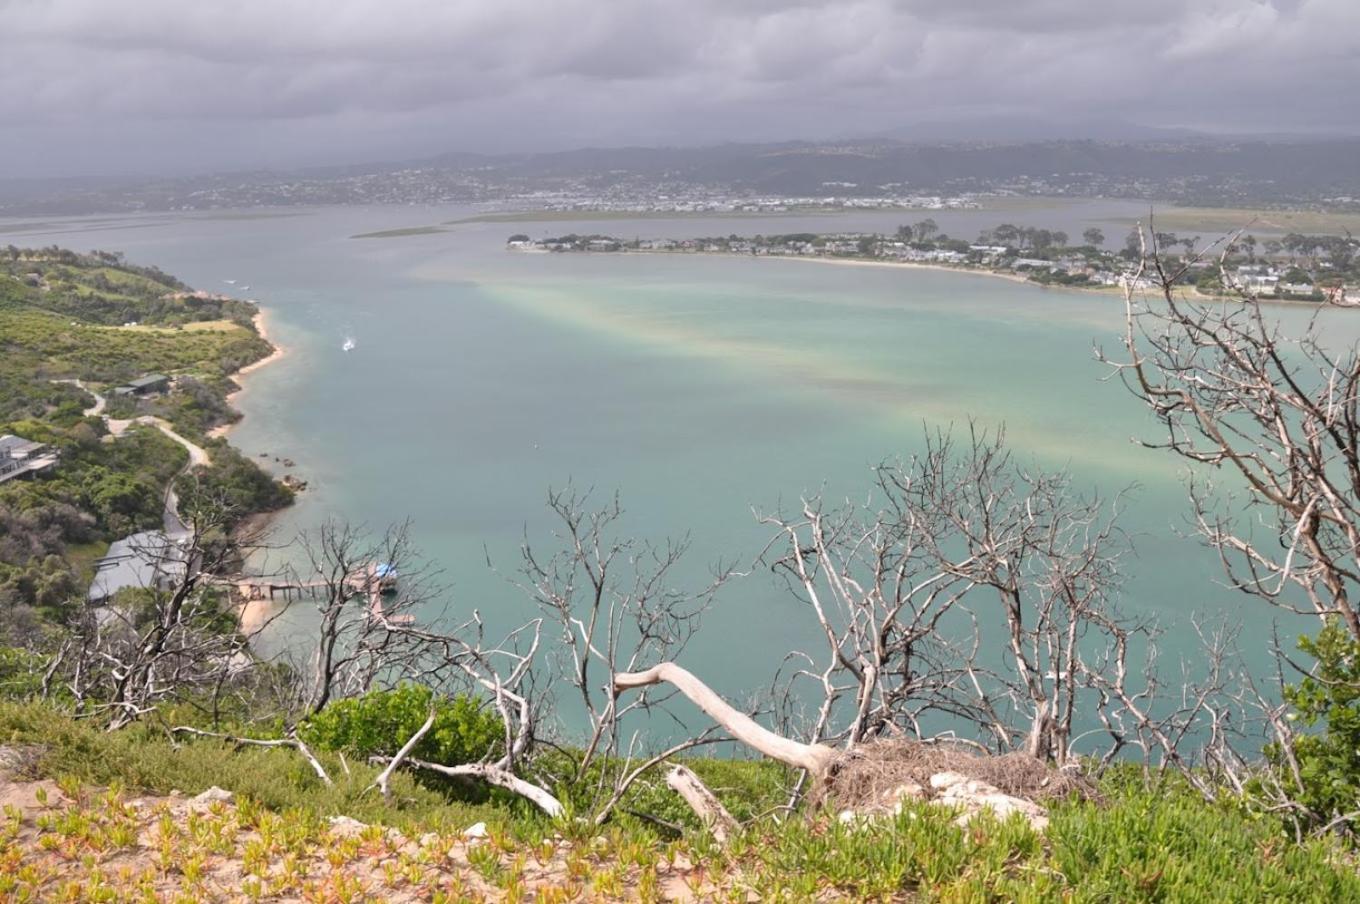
(380, 722)
(231, 482)
(1329, 761)
(21, 673)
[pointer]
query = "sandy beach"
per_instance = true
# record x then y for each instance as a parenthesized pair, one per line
(254, 615)
(1106, 291)
(261, 321)
(914, 265)
(1113, 292)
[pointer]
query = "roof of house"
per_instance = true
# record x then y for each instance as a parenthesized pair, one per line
(12, 446)
(148, 380)
(141, 560)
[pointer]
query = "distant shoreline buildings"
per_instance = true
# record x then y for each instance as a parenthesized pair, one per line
(1039, 256)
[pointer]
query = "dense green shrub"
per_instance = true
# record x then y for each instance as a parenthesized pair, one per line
(380, 722)
(196, 406)
(1329, 762)
(231, 482)
(21, 673)
(47, 584)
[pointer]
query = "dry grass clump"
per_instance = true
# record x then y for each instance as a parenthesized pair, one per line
(866, 776)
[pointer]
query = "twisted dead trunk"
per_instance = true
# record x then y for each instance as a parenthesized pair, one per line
(815, 758)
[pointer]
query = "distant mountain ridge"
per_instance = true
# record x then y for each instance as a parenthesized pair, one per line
(1185, 167)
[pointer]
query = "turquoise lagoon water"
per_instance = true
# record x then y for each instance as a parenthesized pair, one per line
(698, 388)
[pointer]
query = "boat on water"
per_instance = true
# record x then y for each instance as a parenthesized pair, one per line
(348, 345)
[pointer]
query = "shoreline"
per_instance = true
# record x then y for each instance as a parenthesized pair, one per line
(279, 352)
(252, 616)
(1108, 291)
(256, 522)
(916, 265)
(1104, 291)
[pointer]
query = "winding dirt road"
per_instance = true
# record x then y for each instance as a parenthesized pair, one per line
(198, 456)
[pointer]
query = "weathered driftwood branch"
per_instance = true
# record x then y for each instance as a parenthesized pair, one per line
(815, 758)
(495, 775)
(704, 803)
(293, 741)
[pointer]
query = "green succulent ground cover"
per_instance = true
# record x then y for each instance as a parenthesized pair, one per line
(1143, 841)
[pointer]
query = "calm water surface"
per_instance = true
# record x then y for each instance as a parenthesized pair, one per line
(696, 387)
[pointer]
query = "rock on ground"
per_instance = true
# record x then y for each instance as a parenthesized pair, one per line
(951, 789)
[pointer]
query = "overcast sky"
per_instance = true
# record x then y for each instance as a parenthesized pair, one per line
(146, 86)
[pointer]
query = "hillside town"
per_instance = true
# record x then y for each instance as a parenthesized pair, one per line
(681, 198)
(853, 174)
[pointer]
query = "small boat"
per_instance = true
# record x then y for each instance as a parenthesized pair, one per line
(230, 282)
(348, 346)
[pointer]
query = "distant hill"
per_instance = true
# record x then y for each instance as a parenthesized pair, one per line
(1172, 166)
(1017, 128)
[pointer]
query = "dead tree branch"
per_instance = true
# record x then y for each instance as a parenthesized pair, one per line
(704, 803)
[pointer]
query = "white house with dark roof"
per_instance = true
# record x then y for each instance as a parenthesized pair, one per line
(21, 457)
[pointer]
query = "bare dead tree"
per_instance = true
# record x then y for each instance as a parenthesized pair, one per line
(172, 639)
(361, 585)
(1231, 392)
(606, 604)
(682, 780)
(899, 589)
(866, 575)
(612, 605)
(1052, 560)
(966, 588)
(292, 740)
(1195, 724)
(382, 782)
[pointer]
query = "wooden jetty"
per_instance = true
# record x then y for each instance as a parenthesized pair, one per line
(372, 581)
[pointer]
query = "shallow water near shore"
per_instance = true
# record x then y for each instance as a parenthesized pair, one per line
(698, 388)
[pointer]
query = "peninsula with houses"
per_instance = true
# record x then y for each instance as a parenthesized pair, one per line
(1293, 267)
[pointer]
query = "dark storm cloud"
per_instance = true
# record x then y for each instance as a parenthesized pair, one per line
(143, 84)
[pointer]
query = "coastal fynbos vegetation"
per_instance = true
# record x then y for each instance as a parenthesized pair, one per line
(978, 718)
(74, 331)
(1326, 699)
